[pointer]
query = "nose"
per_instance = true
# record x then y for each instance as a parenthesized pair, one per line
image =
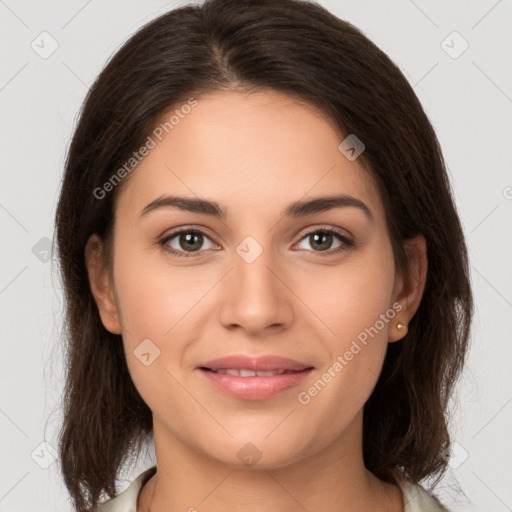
(256, 294)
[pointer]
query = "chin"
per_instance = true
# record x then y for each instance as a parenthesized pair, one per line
(258, 453)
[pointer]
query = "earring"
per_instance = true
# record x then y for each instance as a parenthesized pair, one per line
(400, 326)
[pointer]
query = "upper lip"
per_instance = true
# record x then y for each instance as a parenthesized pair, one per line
(264, 363)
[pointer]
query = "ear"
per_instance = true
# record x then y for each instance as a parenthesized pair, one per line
(409, 288)
(101, 285)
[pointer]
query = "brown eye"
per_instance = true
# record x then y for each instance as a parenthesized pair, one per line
(322, 240)
(186, 241)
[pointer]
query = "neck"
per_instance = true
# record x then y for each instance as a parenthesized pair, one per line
(333, 478)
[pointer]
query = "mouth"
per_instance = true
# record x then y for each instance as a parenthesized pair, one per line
(249, 362)
(241, 372)
(246, 384)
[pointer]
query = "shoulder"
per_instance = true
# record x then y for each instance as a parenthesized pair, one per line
(126, 501)
(417, 499)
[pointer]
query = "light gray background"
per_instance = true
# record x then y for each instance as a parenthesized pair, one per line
(469, 101)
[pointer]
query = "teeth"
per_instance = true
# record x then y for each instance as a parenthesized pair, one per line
(250, 373)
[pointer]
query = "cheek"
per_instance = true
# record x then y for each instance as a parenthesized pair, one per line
(154, 298)
(350, 298)
(354, 303)
(158, 307)
(359, 313)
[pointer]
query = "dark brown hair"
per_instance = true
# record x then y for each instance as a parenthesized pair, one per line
(300, 49)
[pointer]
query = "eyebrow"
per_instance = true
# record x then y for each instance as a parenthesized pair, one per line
(296, 209)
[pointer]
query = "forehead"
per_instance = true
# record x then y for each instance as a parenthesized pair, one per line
(246, 151)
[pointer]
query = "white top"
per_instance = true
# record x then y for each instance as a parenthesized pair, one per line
(416, 498)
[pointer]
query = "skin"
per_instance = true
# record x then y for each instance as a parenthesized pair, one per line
(254, 154)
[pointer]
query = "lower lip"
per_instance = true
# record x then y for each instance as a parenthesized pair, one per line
(255, 388)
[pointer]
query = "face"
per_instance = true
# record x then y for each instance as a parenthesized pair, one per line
(314, 285)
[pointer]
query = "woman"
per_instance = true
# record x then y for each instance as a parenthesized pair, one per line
(264, 271)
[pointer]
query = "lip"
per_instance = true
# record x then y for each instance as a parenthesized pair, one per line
(257, 387)
(255, 363)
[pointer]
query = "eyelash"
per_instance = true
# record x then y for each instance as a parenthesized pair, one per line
(346, 242)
